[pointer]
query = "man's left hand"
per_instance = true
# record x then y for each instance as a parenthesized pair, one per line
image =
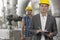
(48, 34)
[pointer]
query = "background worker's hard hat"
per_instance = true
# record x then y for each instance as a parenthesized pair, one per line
(44, 2)
(28, 8)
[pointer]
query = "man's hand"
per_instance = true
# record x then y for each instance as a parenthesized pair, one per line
(48, 34)
(39, 31)
(22, 38)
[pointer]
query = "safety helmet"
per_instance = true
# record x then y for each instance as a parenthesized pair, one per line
(44, 2)
(28, 8)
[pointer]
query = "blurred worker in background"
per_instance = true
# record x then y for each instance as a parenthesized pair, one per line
(43, 26)
(25, 23)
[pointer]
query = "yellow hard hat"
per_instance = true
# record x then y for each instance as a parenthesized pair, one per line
(28, 8)
(44, 2)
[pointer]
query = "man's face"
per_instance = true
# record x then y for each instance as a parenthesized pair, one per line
(44, 8)
(29, 12)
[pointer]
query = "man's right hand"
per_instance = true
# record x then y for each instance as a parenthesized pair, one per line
(22, 38)
(39, 31)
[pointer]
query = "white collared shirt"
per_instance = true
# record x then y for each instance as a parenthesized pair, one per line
(43, 23)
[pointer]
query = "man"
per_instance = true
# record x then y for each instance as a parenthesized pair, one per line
(25, 23)
(43, 26)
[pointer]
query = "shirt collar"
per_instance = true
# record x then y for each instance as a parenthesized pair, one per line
(43, 16)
